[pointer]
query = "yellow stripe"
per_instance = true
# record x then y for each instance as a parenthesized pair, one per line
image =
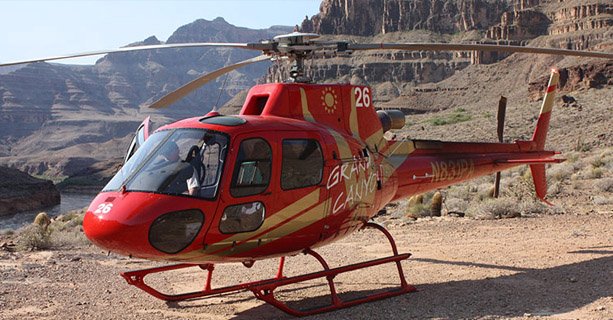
(353, 116)
(376, 140)
(396, 154)
(305, 106)
(549, 96)
(269, 222)
(303, 221)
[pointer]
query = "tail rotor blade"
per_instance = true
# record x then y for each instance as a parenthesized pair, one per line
(502, 111)
(200, 81)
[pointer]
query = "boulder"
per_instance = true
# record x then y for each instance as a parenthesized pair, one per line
(22, 192)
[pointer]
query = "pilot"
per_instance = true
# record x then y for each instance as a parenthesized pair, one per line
(170, 154)
(195, 161)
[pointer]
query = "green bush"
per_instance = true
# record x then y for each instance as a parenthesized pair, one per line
(457, 116)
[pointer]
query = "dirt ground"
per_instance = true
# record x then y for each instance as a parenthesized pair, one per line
(553, 266)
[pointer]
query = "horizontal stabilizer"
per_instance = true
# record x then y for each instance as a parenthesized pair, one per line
(531, 161)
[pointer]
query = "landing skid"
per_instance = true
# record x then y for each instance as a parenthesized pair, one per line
(264, 289)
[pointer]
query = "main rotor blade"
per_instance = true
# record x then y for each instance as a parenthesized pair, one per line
(200, 81)
(249, 46)
(476, 47)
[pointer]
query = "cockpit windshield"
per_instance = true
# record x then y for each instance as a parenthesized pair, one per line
(179, 162)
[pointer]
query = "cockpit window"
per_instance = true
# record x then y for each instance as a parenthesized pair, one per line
(181, 162)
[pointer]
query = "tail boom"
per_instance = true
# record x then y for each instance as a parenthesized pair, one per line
(429, 164)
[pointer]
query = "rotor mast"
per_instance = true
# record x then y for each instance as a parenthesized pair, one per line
(297, 46)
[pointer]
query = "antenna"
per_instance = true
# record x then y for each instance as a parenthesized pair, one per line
(223, 87)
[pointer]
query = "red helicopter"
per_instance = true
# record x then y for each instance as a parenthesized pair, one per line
(302, 165)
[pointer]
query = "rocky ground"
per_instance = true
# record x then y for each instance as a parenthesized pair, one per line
(549, 267)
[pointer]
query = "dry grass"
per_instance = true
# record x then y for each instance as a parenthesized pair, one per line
(63, 231)
(601, 200)
(33, 237)
(605, 185)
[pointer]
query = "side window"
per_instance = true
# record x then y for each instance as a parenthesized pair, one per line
(252, 170)
(242, 218)
(303, 163)
(210, 159)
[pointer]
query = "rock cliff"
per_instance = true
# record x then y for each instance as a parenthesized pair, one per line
(579, 77)
(371, 17)
(566, 24)
(21, 192)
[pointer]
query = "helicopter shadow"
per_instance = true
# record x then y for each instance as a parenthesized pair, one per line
(541, 292)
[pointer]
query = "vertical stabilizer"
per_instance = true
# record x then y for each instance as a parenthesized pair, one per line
(540, 181)
(542, 126)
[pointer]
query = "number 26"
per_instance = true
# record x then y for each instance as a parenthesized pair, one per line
(362, 99)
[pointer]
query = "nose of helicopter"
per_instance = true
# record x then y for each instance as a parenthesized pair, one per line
(143, 225)
(100, 231)
(107, 230)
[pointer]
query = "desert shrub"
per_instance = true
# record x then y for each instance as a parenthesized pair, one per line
(459, 115)
(64, 230)
(607, 158)
(605, 185)
(459, 192)
(33, 237)
(581, 145)
(554, 188)
(533, 207)
(456, 205)
(600, 200)
(561, 172)
(418, 210)
(547, 209)
(68, 238)
(519, 188)
(597, 163)
(69, 220)
(504, 207)
(595, 173)
(572, 157)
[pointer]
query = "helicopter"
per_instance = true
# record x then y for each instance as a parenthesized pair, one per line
(302, 165)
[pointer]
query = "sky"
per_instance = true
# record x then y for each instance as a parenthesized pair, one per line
(35, 29)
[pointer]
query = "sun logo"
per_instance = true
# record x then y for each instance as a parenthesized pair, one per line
(328, 99)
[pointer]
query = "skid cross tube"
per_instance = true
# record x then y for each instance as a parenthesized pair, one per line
(264, 289)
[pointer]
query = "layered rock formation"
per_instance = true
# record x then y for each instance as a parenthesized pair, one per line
(368, 18)
(507, 22)
(580, 77)
(22, 192)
